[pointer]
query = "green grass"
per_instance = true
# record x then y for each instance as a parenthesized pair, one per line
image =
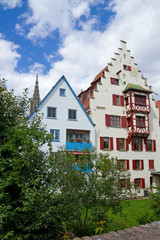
(132, 209)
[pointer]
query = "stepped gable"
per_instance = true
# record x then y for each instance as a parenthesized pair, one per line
(88, 93)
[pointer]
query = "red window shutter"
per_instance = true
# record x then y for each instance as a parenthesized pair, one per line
(142, 164)
(114, 99)
(141, 145)
(122, 100)
(117, 141)
(108, 120)
(132, 144)
(101, 143)
(134, 164)
(151, 164)
(143, 183)
(154, 145)
(135, 181)
(129, 68)
(127, 164)
(127, 144)
(112, 80)
(146, 145)
(111, 143)
(123, 121)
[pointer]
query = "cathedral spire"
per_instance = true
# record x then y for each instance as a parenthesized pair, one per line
(36, 97)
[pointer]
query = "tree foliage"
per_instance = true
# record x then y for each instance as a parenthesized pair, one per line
(26, 210)
(89, 185)
(41, 192)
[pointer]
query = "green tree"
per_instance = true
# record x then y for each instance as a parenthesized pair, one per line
(89, 185)
(27, 210)
(155, 202)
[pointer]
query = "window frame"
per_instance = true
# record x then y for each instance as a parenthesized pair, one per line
(107, 141)
(115, 121)
(124, 143)
(134, 147)
(60, 94)
(139, 100)
(55, 108)
(72, 119)
(54, 132)
(140, 122)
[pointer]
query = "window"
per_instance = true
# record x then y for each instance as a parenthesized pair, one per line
(151, 164)
(138, 165)
(127, 68)
(123, 164)
(124, 183)
(72, 114)
(62, 92)
(56, 134)
(150, 145)
(137, 144)
(115, 121)
(140, 121)
(129, 121)
(140, 100)
(139, 182)
(118, 100)
(122, 144)
(114, 81)
(106, 143)
(52, 112)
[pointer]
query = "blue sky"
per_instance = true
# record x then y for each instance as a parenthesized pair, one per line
(75, 38)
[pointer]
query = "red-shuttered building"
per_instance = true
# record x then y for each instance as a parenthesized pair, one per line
(120, 103)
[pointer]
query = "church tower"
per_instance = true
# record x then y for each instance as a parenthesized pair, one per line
(36, 97)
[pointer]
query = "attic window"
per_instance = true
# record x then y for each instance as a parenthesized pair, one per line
(115, 81)
(127, 68)
(62, 92)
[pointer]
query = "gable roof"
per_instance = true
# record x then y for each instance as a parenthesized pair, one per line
(61, 79)
(135, 87)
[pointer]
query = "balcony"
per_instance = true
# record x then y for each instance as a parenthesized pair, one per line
(79, 146)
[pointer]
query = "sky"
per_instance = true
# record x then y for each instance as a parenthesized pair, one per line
(75, 38)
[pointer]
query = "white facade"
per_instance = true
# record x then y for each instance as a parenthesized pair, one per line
(101, 104)
(65, 118)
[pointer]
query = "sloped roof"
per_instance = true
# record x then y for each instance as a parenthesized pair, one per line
(135, 87)
(61, 79)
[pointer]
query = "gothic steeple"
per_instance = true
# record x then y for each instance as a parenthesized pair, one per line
(36, 97)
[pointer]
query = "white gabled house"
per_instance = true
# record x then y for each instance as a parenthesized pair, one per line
(66, 119)
(121, 105)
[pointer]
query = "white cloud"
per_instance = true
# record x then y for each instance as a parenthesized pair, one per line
(46, 16)
(37, 68)
(84, 53)
(7, 4)
(8, 56)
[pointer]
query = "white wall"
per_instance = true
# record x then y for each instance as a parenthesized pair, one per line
(61, 122)
(103, 99)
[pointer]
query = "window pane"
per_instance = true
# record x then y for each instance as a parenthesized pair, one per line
(72, 114)
(122, 144)
(62, 92)
(52, 112)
